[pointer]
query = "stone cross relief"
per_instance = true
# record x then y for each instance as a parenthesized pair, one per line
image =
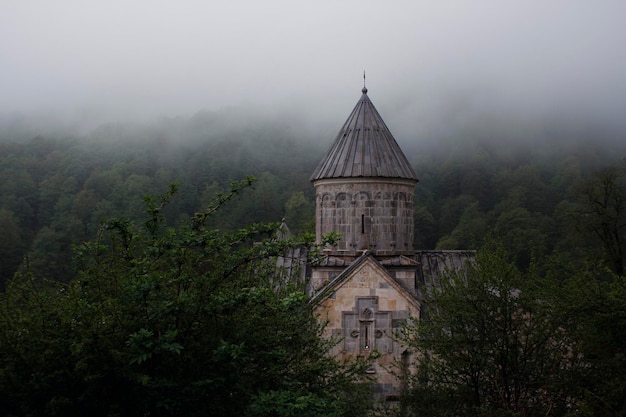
(365, 328)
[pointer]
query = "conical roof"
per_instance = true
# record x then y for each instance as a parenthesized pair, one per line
(364, 147)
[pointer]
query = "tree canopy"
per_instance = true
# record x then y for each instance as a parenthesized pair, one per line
(496, 341)
(170, 321)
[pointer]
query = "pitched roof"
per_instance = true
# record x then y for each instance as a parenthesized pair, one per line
(364, 147)
(348, 273)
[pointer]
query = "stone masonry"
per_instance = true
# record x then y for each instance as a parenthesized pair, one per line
(370, 214)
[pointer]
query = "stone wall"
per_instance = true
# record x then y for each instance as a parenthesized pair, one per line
(364, 314)
(370, 213)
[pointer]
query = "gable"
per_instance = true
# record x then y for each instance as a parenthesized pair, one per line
(364, 272)
(372, 276)
(365, 278)
(364, 307)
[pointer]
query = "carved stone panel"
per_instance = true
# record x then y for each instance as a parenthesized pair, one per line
(366, 328)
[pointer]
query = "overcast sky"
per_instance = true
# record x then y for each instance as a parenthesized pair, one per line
(428, 61)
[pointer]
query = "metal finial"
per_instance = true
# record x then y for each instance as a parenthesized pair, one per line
(364, 90)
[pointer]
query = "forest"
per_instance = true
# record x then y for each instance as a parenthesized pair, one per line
(57, 190)
(177, 203)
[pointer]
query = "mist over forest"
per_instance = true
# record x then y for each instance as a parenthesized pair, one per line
(478, 175)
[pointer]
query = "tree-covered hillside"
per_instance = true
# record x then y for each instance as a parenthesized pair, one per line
(56, 189)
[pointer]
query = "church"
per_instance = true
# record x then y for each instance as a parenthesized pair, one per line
(372, 279)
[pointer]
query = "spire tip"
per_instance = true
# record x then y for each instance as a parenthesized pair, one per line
(364, 90)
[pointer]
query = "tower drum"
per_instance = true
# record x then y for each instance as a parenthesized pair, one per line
(374, 214)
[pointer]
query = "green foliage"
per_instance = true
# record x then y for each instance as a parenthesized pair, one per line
(490, 344)
(591, 300)
(293, 404)
(300, 213)
(467, 194)
(600, 211)
(169, 321)
(10, 243)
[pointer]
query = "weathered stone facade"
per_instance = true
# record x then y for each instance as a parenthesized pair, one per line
(370, 214)
(365, 307)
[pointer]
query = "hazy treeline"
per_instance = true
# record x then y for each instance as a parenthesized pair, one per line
(56, 190)
(529, 195)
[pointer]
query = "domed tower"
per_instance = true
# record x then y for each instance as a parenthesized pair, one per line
(364, 188)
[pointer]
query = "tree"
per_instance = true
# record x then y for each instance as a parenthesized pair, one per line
(601, 210)
(471, 228)
(170, 321)
(300, 213)
(490, 345)
(523, 233)
(591, 301)
(11, 245)
(50, 254)
(425, 228)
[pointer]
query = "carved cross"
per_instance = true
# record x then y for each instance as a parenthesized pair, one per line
(366, 328)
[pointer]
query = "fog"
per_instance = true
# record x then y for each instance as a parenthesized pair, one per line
(433, 67)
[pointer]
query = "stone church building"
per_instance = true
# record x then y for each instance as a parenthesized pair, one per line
(373, 279)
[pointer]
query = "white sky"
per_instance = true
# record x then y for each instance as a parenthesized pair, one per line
(427, 60)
